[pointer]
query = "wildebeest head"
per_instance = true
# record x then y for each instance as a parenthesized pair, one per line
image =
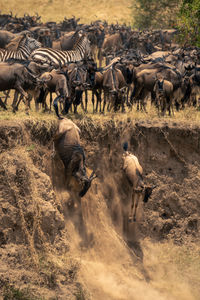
(87, 184)
(147, 193)
(160, 85)
(84, 182)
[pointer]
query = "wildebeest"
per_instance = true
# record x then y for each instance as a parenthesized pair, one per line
(133, 172)
(71, 153)
(145, 78)
(114, 86)
(15, 76)
(30, 83)
(5, 37)
(81, 78)
(53, 82)
(69, 39)
(164, 93)
(112, 43)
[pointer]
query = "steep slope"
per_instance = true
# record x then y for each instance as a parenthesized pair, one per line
(49, 249)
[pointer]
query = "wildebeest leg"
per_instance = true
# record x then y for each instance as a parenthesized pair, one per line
(127, 94)
(14, 103)
(104, 103)
(135, 94)
(164, 105)
(144, 100)
(6, 93)
(99, 100)
(18, 102)
(44, 100)
(51, 100)
(86, 100)
(134, 205)
(29, 100)
(55, 105)
(78, 99)
(153, 97)
(98, 96)
(2, 104)
(67, 105)
(53, 151)
(168, 104)
(138, 104)
(110, 103)
(123, 101)
(158, 105)
(25, 95)
(93, 101)
(100, 57)
(140, 100)
(41, 98)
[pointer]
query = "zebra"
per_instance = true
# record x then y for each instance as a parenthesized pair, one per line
(59, 58)
(26, 45)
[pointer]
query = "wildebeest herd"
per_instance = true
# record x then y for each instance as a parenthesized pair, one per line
(66, 58)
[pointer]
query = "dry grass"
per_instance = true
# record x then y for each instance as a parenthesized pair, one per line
(87, 10)
(188, 116)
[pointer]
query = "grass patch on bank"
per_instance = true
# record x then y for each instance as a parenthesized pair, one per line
(190, 115)
(10, 292)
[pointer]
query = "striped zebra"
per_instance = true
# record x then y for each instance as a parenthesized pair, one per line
(26, 45)
(59, 58)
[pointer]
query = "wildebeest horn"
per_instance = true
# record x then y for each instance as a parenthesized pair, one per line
(31, 74)
(87, 184)
(92, 176)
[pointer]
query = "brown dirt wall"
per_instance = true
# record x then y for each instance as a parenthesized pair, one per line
(49, 249)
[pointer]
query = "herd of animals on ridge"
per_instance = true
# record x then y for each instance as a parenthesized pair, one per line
(41, 58)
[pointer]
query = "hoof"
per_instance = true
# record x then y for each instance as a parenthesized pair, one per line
(131, 220)
(53, 154)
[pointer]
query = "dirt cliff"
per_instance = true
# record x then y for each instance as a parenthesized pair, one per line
(50, 250)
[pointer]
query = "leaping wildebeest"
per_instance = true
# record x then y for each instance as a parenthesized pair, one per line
(133, 172)
(71, 153)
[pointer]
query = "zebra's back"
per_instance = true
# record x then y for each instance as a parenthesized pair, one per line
(59, 58)
(25, 46)
(16, 55)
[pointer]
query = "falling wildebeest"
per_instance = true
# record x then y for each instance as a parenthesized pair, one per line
(70, 152)
(133, 172)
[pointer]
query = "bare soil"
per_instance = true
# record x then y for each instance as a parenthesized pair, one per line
(50, 249)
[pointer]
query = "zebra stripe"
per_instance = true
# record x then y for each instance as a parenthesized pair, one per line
(25, 47)
(59, 58)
